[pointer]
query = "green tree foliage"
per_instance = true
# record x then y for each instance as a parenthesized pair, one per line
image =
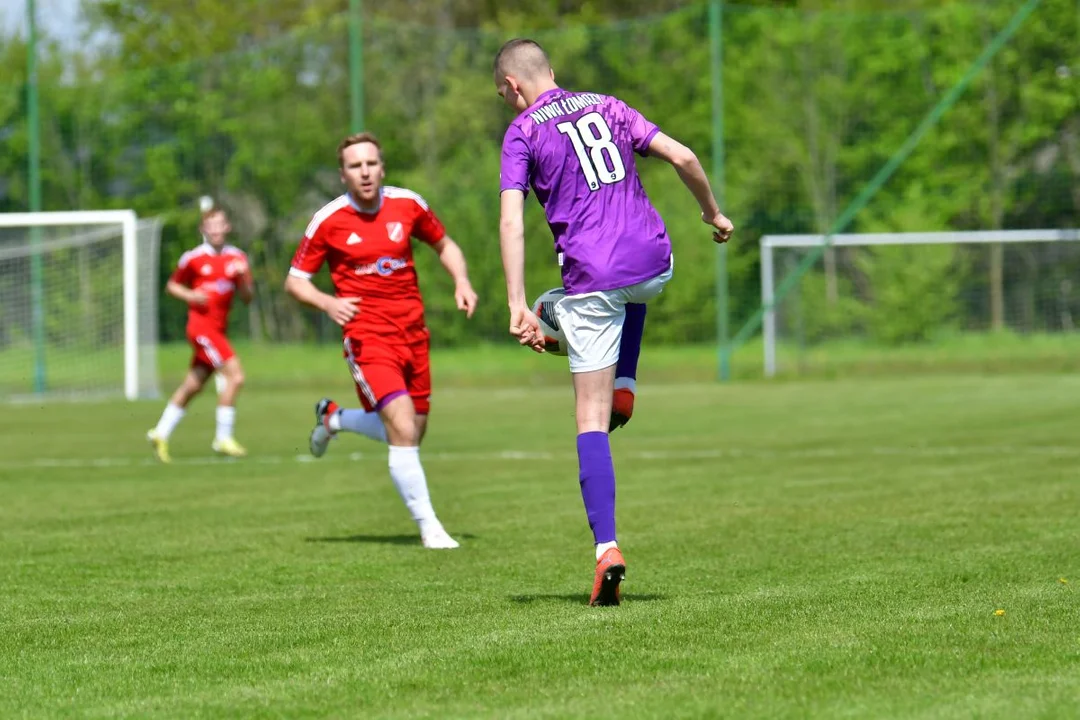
(246, 101)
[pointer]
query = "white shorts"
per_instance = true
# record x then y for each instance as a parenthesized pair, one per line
(593, 322)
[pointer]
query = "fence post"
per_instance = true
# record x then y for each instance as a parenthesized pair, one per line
(356, 65)
(716, 45)
(37, 300)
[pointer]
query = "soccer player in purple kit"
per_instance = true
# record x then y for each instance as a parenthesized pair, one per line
(575, 150)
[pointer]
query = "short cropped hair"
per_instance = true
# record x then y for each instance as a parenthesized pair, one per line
(521, 56)
(356, 139)
(211, 211)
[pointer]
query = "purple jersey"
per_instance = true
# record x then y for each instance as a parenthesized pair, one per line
(576, 151)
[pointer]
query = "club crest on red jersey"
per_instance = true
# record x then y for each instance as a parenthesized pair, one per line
(395, 231)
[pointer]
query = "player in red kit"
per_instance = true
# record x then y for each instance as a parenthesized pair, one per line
(207, 278)
(365, 238)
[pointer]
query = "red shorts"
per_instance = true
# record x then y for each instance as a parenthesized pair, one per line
(383, 372)
(212, 348)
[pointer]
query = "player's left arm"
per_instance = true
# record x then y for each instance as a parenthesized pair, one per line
(693, 175)
(453, 259)
(428, 228)
(245, 283)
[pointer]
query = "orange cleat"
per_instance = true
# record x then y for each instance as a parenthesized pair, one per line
(622, 408)
(610, 571)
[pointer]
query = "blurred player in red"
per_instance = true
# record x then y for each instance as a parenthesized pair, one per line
(364, 236)
(206, 278)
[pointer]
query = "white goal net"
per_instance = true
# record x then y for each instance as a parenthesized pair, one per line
(78, 305)
(961, 300)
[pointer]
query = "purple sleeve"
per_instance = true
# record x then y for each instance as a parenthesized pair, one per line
(514, 170)
(641, 130)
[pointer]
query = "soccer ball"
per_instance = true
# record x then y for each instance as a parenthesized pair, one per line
(544, 309)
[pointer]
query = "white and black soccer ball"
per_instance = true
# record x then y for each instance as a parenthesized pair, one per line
(544, 309)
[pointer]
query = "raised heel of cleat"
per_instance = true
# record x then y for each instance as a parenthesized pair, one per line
(609, 586)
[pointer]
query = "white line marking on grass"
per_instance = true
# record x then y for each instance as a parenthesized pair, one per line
(513, 455)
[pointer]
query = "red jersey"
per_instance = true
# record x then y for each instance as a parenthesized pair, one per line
(371, 258)
(215, 273)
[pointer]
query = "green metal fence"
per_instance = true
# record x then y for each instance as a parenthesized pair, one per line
(802, 118)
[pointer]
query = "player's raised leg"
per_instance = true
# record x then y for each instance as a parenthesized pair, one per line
(633, 330)
(224, 441)
(331, 418)
(622, 407)
(158, 436)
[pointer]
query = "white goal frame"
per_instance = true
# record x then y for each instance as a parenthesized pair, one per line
(128, 222)
(769, 242)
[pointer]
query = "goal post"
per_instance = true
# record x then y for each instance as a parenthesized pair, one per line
(78, 304)
(774, 294)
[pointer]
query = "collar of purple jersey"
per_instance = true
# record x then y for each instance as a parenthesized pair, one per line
(544, 97)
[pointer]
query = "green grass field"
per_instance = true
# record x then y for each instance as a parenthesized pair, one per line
(797, 549)
(73, 371)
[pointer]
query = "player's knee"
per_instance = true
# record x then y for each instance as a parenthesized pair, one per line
(401, 428)
(237, 379)
(401, 433)
(188, 389)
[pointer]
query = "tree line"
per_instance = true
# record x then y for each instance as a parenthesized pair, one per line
(246, 102)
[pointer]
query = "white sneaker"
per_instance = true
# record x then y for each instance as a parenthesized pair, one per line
(320, 435)
(319, 440)
(437, 538)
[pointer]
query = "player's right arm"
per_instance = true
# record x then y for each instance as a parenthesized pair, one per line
(513, 186)
(306, 262)
(340, 310)
(693, 175)
(523, 323)
(179, 284)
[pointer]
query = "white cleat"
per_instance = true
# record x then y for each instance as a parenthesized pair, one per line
(438, 539)
(320, 435)
(319, 440)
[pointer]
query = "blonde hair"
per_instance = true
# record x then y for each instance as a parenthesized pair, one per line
(356, 139)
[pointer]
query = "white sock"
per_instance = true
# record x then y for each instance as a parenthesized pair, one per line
(602, 548)
(226, 418)
(169, 418)
(408, 476)
(626, 382)
(368, 424)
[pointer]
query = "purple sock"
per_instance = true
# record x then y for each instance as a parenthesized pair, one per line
(597, 483)
(630, 345)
